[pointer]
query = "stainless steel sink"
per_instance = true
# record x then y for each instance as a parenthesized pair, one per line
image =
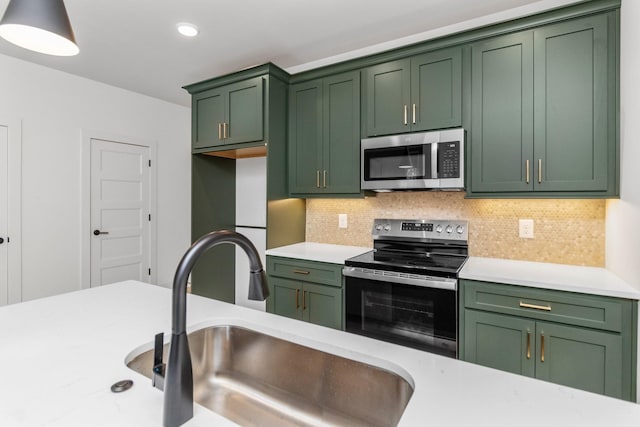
(255, 379)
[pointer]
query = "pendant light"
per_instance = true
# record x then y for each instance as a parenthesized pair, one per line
(39, 25)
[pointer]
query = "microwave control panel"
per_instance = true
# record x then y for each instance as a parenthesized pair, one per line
(449, 159)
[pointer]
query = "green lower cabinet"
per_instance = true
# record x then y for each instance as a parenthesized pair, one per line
(579, 358)
(572, 356)
(500, 342)
(305, 290)
(582, 341)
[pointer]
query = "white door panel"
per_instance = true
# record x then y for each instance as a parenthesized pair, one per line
(258, 237)
(119, 212)
(4, 214)
(251, 192)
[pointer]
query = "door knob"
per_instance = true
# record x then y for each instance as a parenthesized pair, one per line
(98, 232)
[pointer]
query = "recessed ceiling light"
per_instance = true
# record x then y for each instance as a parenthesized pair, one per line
(187, 29)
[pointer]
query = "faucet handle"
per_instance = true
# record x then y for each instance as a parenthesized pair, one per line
(158, 367)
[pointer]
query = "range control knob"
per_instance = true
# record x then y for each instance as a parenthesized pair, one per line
(378, 227)
(387, 227)
(438, 229)
(460, 229)
(449, 229)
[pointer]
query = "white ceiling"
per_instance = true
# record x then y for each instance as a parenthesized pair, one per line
(133, 44)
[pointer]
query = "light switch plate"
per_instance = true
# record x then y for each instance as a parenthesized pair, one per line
(342, 220)
(526, 228)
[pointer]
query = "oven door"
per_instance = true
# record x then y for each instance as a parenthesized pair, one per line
(415, 316)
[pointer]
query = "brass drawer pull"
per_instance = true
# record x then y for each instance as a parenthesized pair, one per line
(306, 273)
(541, 348)
(535, 306)
(297, 299)
(528, 345)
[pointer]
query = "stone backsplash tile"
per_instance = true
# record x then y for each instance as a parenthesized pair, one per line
(566, 231)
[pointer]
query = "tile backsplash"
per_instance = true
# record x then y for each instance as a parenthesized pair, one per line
(565, 231)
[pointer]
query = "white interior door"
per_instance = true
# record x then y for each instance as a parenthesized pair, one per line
(120, 212)
(4, 214)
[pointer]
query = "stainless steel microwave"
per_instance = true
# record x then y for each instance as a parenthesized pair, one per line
(416, 161)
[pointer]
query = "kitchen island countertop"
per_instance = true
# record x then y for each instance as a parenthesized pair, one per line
(60, 355)
(562, 277)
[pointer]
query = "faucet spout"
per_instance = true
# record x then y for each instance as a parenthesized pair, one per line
(178, 387)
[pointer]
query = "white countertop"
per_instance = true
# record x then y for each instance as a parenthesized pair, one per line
(589, 280)
(323, 252)
(60, 355)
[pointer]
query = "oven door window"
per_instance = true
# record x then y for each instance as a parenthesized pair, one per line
(397, 163)
(414, 316)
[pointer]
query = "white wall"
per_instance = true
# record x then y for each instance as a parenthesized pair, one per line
(623, 216)
(54, 107)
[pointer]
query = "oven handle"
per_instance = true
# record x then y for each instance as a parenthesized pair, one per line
(387, 276)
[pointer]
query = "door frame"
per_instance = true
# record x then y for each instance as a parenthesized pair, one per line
(15, 207)
(85, 198)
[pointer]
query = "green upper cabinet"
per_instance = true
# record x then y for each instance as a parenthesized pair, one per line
(543, 115)
(419, 93)
(231, 114)
(324, 135)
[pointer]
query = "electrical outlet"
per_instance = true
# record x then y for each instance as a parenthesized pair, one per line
(342, 220)
(526, 228)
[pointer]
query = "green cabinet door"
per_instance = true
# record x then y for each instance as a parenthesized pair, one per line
(500, 342)
(284, 298)
(388, 98)
(244, 111)
(574, 144)
(502, 114)
(341, 136)
(436, 90)
(580, 358)
(230, 114)
(207, 116)
(322, 305)
(324, 136)
(305, 137)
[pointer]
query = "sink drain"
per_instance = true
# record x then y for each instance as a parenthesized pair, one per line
(121, 386)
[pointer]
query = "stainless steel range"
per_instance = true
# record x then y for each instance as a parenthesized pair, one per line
(405, 290)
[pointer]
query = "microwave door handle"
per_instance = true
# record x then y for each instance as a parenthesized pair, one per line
(434, 160)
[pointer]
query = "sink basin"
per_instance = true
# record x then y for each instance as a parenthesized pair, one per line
(255, 379)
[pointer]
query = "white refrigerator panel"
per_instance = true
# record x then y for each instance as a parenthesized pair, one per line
(258, 237)
(251, 192)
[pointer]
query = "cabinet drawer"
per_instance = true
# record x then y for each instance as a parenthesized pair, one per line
(563, 307)
(307, 271)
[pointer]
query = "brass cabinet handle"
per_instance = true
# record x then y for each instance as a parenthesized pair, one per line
(304, 300)
(539, 171)
(541, 348)
(317, 179)
(528, 345)
(305, 272)
(219, 130)
(406, 113)
(528, 171)
(324, 179)
(535, 306)
(225, 130)
(413, 113)
(297, 299)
